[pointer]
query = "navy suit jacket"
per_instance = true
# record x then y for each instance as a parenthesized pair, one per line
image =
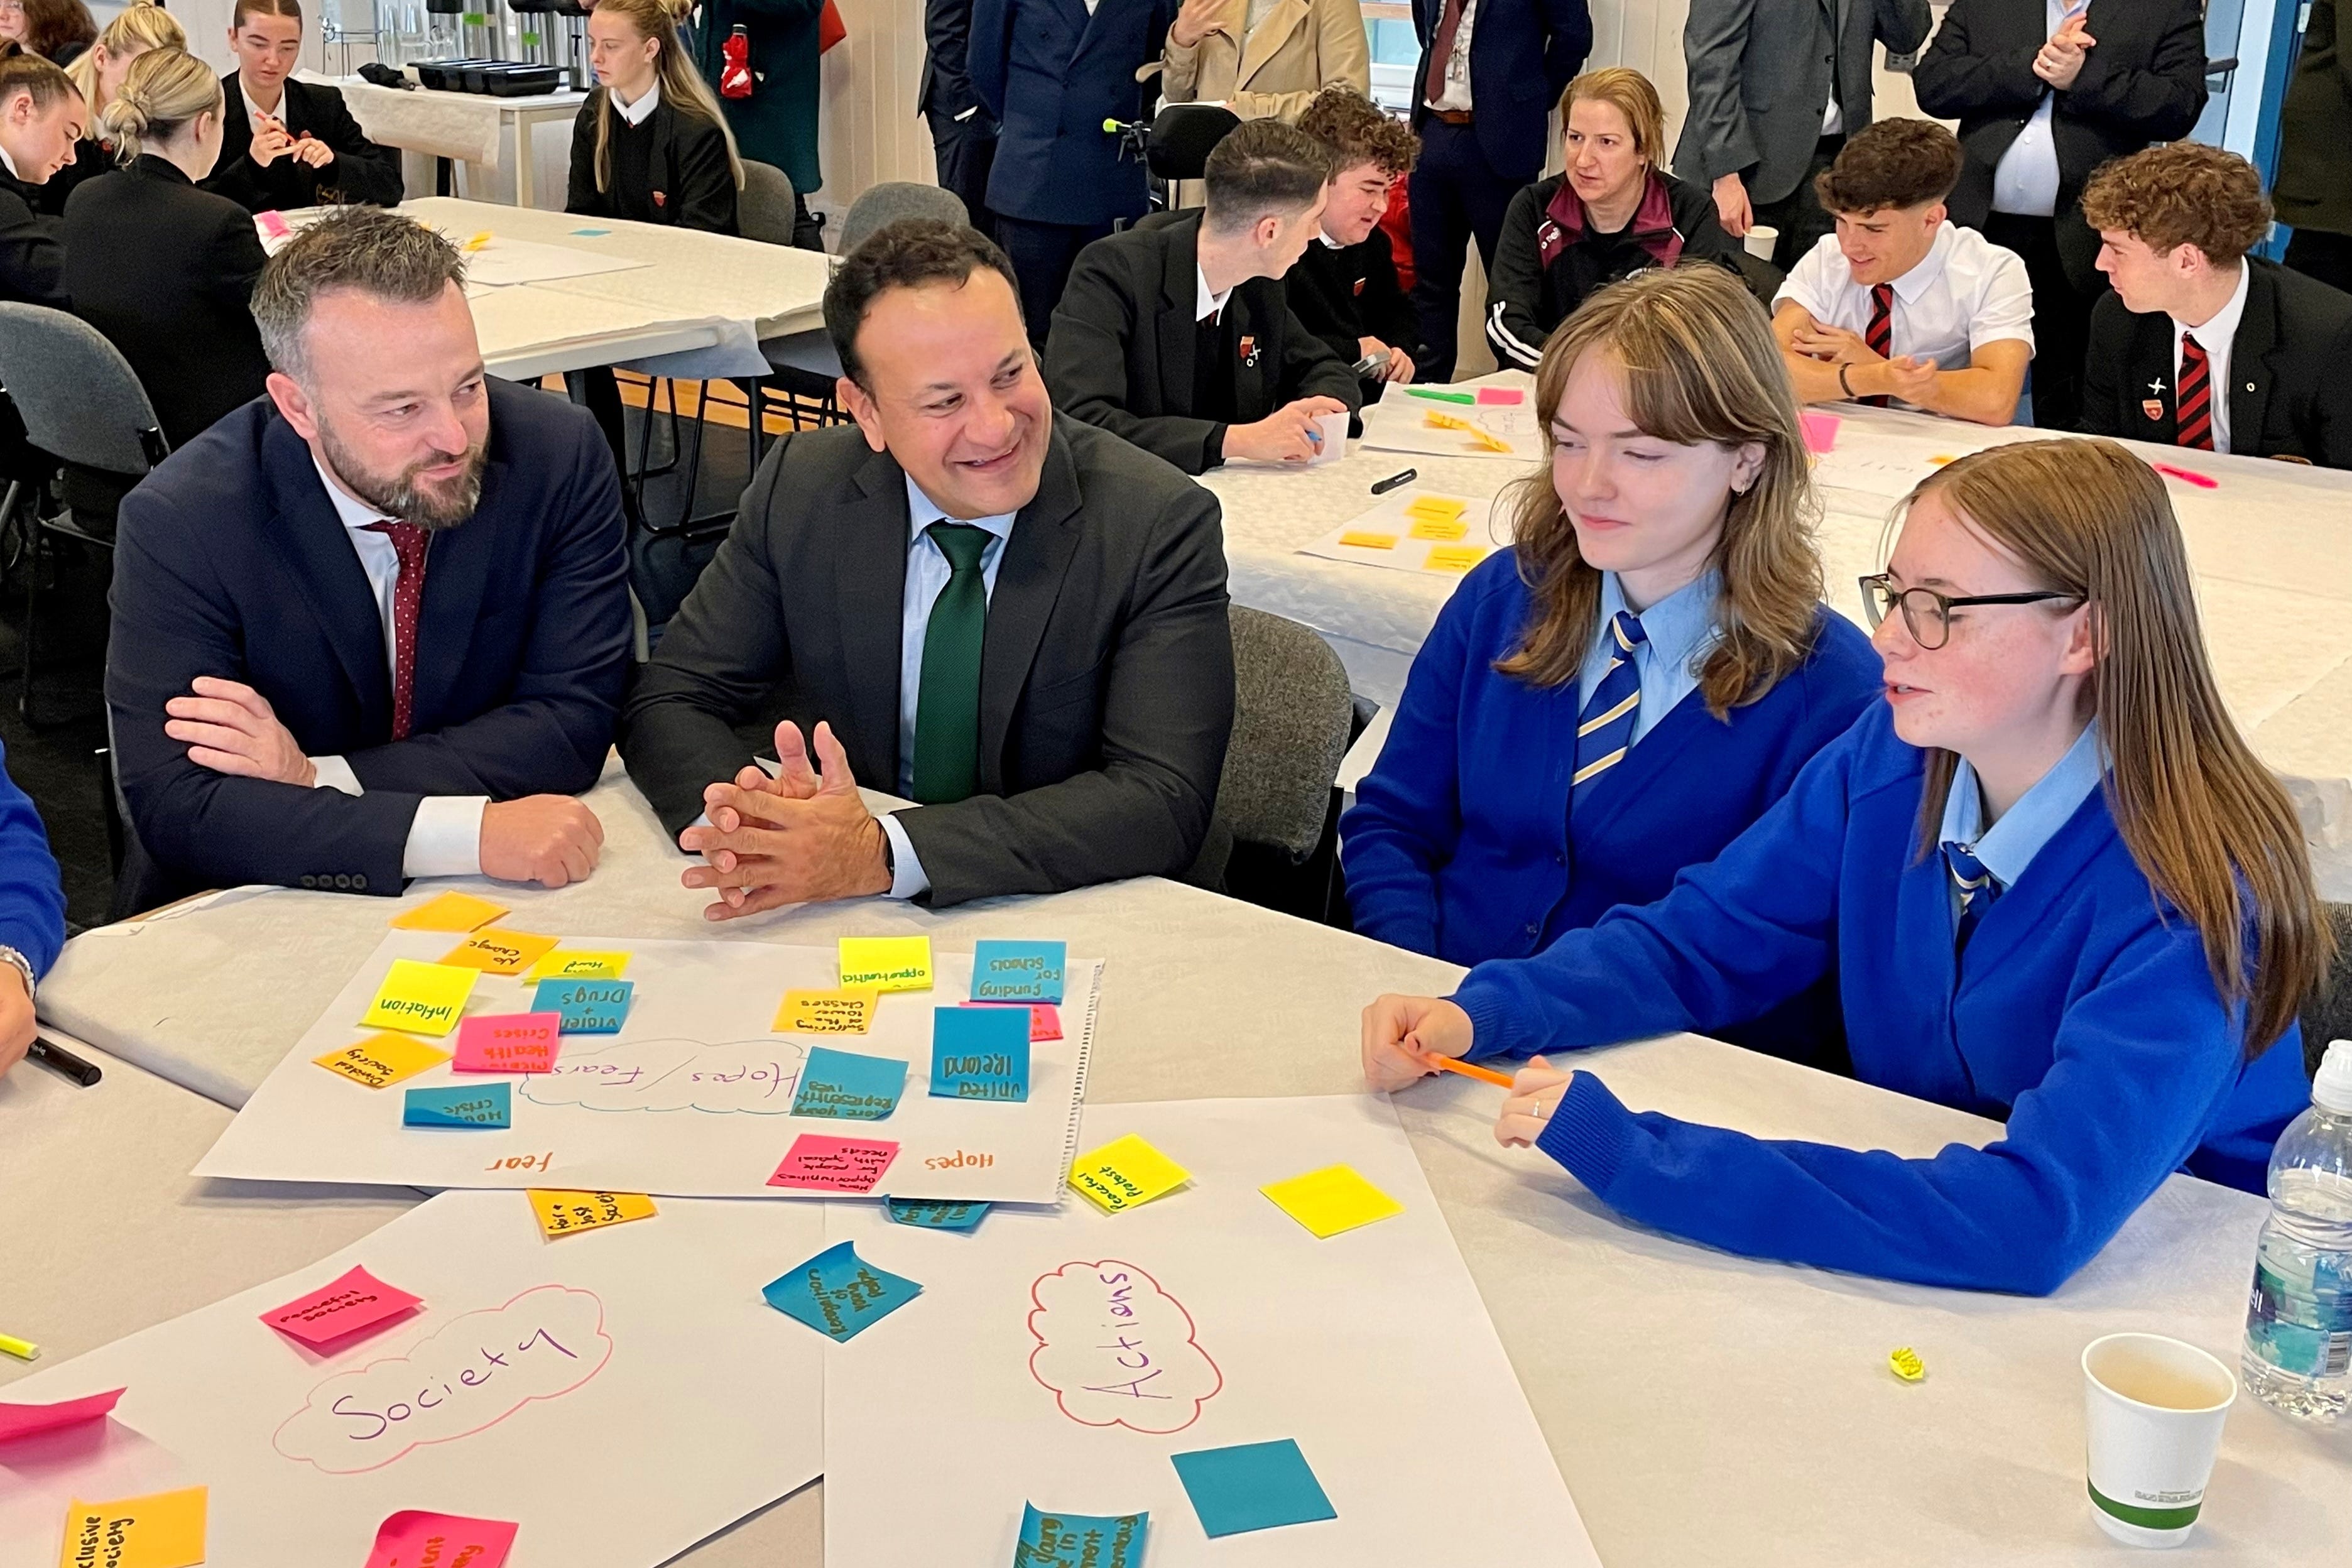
(1523, 54)
(1050, 75)
(231, 562)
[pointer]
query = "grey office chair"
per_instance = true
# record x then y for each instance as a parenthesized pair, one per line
(764, 209)
(1293, 717)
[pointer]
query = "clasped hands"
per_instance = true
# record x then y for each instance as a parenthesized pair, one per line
(271, 141)
(2060, 61)
(1401, 1034)
(1870, 375)
(799, 837)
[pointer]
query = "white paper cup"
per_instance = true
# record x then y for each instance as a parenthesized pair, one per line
(2154, 1409)
(1761, 239)
(1335, 439)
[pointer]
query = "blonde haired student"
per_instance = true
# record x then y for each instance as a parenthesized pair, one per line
(652, 146)
(98, 72)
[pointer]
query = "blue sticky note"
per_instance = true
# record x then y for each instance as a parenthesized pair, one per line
(589, 1006)
(849, 1086)
(1081, 1539)
(592, 233)
(463, 1105)
(934, 1216)
(838, 1293)
(980, 1053)
(1018, 971)
(1256, 1485)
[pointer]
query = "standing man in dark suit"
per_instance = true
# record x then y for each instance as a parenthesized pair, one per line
(1178, 336)
(41, 118)
(2315, 178)
(2202, 345)
(1490, 71)
(290, 143)
(376, 625)
(1776, 87)
(2045, 91)
(1049, 72)
(963, 133)
(1010, 617)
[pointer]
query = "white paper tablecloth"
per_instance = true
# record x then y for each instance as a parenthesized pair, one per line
(468, 126)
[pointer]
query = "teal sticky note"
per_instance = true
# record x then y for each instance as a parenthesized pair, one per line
(1018, 971)
(1255, 1486)
(980, 1053)
(849, 1086)
(464, 1105)
(589, 1006)
(1081, 1539)
(934, 1216)
(592, 233)
(838, 1293)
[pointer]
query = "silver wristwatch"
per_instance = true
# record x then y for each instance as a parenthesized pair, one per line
(23, 966)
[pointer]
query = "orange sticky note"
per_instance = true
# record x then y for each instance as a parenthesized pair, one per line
(1436, 509)
(496, 950)
(578, 963)
(844, 1012)
(1455, 557)
(161, 1530)
(383, 1060)
(566, 1213)
(1360, 538)
(1441, 528)
(449, 912)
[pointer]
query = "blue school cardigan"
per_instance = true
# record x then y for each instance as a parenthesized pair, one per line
(1459, 842)
(2082, 1012)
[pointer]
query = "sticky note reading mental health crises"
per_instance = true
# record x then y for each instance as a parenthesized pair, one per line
(1018, 971)
(508, 1042)
(887, 962)
(420, 998)
(1125, 1173)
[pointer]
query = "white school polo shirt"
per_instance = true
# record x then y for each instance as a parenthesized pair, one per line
(1966, 292)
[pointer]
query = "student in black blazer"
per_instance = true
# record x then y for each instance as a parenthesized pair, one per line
(652, 145)
(40, 120)
(165, 270)
(305, 150)
(97, 74)
(1176, 333)
(2202, 346)
(1344, 288)
(349, 649)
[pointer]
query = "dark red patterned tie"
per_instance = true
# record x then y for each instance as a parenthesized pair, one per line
(1881, 336)
(2193, 400)
(1441, 51)
(408, 540)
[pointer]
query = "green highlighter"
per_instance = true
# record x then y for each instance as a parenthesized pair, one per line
(1436, 396)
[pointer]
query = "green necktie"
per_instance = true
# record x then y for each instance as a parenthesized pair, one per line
(947, 703)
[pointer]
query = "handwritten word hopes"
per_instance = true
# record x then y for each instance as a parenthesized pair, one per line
(1116, 1349)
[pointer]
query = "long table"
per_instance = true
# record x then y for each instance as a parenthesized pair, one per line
(1702, 1407)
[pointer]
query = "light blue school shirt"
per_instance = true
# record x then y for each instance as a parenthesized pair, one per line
(2025, 181)
(1678, 627)
(2009, 846)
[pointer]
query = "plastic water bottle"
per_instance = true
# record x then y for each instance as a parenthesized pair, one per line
(2298, 1354)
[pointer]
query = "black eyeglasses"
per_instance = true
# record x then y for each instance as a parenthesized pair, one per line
(1927, 615)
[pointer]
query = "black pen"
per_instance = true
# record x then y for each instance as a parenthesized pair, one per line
(1386, 485)
(64, 1063)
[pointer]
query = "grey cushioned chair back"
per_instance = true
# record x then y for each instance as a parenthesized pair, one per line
(892, 200)
(764, 208)
(1292, 713)
(80, 403)
(2327, 1011)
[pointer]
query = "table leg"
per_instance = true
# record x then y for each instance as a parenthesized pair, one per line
(522, 160)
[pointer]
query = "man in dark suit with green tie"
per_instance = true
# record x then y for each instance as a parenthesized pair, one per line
(1013, 618)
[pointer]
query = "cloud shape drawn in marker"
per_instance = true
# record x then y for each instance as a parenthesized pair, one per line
(755, 1077)
(1116, 1349)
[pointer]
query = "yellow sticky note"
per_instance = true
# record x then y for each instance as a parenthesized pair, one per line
(1125, 1173)
(568, 1213)
(1905, 1363)
(579, 964)
(887, 962)
(381, 1060)
(1441, 528)
(1437, 421)
(497, 950)
(1454, 557)
(1436, 509)
(421, 998)
(1331, 1199)
(450, 911)
(161, 1530)
(849, 1011)
(1363, 540)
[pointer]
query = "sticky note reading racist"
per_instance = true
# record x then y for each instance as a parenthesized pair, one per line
(980, 1053)
(356, 1301)
(1454, 557)
(1331, 1199)
(382, 1059)
(849, 1012)
(833, 1165)
(587, 1006)
(1081, 1539)
(847, 1085)
(838, 1293)
(161, 1530)
(420, 998)
(578, 963)
(1444, 530)
(508, 1042)
(32, 1420)
(449, 912)
(887, 962)
(1044, 1018)
(567, 1213)
(416, 1538)
(1125, 1173)
(931, 1215)
(1018, 971)
(462, 1105)
(1255, 1486)
(1362, 538)
(498, 950)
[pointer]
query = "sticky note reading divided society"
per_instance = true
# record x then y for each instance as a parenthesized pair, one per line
(847, 1012)
(1331, 1199)
(357, 1301)
(161, 1530)
(420, 998)
(887, 962)
(1125, 1173)
(838, 1293)
(382, 1059)
(562, 1213)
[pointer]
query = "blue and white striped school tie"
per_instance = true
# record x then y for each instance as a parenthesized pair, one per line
(1977, 888)
(1605, 729)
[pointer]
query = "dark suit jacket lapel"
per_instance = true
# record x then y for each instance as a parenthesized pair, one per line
(1028, 582)
(2252, 376)
(867, 540)
(1180, 326)
(2150, 362)
(328, 574)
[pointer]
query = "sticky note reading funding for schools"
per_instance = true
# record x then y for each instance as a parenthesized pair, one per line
(484, 1105)
(382, 1059)
(1125, 1173)
(355, 1302)
(887, 962)
(838, 1293)
(1018, 971)
(449, 912)
(1081, 1539)
(420, 998)
(566, 1213)
(980, 1053)
(497, 950)
(161, 1530)
(416, 1538)
(848, 1012)
(1331, 1199)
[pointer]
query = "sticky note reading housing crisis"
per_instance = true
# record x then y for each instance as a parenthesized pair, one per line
(357, 1301)
(588, 1007)
(508, 1042)
(449, 912)
(578, 963)
(416, 1538)
(833, 1165)
(928, 1215)
(1255, 1486)
(1125, 1173)
(980, 1053)
(464, 1105)
(567, 1213)
(839, 1294)
(382, 1059)
(498, 950)
(887, 962)
(1018, 971)
(847, 1012)
(1081, 1539)
(847, 1085)
(161, 1530)
(1331, 1199)
(420, 998)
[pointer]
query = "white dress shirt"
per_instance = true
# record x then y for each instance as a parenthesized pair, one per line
(10, 163)
(1204, 303)
(255, 114)
(446, 838)
(1677, 632)
(1966, 292)
(1456, 95)
(635, 113)
(2215, 336)
(2025, 181)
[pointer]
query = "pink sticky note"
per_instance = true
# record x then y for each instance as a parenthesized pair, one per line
(833, 1165)
(415, 1537)
(273, 224)
(1821, 430)
(32, 1420)
(1501, 396)
(508, 1042)
(357, 1301)
(1044, 1018)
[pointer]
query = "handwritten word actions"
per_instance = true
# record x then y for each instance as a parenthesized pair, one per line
(1018, 971)
(416, 1538)
(358, 1300)
(161, 1530)
(755, 1077)
(1081, 1539)
(466, 1377)
(383, 1060)
(980, 1053)
(1116, 1349)
(833, 1165)
(838, 1293)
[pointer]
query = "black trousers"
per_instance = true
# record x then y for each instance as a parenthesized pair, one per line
(965, 151)
(1799, 215)
(2326, 256)
(1041, 256)
(1455, 196)
(2062, 318)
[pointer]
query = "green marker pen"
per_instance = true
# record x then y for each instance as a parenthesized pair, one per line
(1436, 396)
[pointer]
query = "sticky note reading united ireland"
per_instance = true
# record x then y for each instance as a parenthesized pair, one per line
(420, 998)
(578, 963)
(449, 912)
(887, 962)
(568, 1213)
(1125, 1173)
(161, 1530)
(847, 1012)
(1331, 1199)
(498, 950)
(382, 1059)
(980, 1053)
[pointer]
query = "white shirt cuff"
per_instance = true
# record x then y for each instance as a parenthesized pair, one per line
(907, 877)
(336, 773)
(446, 840)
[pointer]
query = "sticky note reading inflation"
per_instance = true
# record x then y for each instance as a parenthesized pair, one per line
(161, 1530)
(833, 1165)
(32, 1420)
(1454, 557)
(1331, 1199)
(838, 1293)
(848, 1012)
(588, 1007)
(1044, 1018)
(1018, 971)
(577, 963)
(1256, 1485)
(382, 1059)
(462, 1105)
(508, 1042)
(421, 998)
(931, 1215)
(847, 1085)
(1360, 539)
(449, 912)
(498, 950)
(1081, 1539)
(1444, 529)
(567, 1213)
(980, 1053)
(1125, 1173)
(887, 962)
(356, 1301)
(417, 1538)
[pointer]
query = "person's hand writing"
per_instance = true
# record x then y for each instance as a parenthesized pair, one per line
(1193, 22)
(1402, 1032)
(1400, 365)
(230, 729)
(1731, 207)
(269, 143)
(1535, 1095)
(2060, 61)
(551, 839)
(1286, 435)
(769, 846)
(16, 1025)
